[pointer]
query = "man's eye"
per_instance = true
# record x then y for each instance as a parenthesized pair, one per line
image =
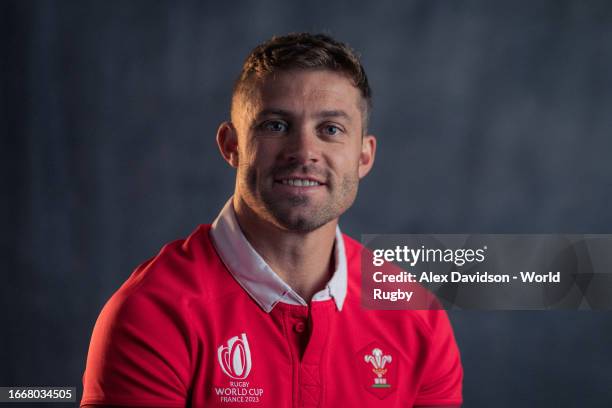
(274, 126)
(331, 130)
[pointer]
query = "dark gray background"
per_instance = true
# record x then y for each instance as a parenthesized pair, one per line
(492, 117)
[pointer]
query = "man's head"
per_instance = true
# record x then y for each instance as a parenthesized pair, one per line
(297, 135)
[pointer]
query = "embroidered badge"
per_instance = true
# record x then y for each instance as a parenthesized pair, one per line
(378, 365)
(234, 358)
(379, 360)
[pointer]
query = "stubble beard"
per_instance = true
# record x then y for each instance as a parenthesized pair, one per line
(298, 213)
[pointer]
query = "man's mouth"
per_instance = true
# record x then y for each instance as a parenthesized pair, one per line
(295, 180)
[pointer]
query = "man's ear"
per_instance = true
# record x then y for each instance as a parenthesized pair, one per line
(366, 157)
(227, 140)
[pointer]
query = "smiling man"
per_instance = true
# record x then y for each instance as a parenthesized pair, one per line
(262, 307)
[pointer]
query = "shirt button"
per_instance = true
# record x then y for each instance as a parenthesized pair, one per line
(299, 327)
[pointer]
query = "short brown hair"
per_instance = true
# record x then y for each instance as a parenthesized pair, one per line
(303, 51)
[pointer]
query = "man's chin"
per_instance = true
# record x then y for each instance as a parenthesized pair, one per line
(302, 225)
(300, 221)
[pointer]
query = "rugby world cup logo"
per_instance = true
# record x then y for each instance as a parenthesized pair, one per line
(378, 360)
(235, 358)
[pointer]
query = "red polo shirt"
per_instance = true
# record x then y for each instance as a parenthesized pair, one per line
(184, 331)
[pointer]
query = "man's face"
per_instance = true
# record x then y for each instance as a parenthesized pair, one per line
(300, 149)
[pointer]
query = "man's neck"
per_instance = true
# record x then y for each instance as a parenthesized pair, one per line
(304, 260)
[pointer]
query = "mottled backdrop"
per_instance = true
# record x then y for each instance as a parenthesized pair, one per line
(492, 117)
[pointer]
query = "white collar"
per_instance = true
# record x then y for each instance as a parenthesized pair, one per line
(255, 275)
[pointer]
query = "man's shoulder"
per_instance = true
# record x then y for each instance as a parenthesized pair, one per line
(183, 269)
(176, 260)
(430, 320)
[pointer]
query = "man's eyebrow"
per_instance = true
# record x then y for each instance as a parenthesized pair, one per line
(270, 112)
(334, 114)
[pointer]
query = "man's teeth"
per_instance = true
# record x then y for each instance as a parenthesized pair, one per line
(300, 182)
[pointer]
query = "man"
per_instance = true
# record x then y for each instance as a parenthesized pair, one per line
(262, 308)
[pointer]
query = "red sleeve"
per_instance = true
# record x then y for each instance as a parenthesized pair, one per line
(443, 376)
(139, 352)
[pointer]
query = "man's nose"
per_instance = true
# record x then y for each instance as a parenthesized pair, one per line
(303, 146)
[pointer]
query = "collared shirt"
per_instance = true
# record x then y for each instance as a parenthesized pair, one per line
(185, 331)
(257, 278)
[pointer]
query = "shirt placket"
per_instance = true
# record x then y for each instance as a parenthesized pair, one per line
(307, 330)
